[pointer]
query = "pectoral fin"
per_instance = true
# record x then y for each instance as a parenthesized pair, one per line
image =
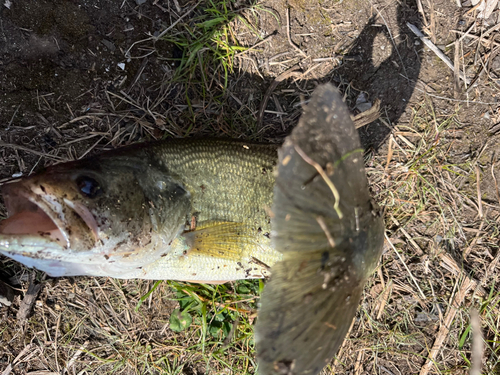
(225, 240)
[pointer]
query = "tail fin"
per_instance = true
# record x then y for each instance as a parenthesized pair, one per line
(330, 234)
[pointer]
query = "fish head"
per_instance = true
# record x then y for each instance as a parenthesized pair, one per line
(106, 215)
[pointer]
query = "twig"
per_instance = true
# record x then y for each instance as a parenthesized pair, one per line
(385, 298)
(389, 154)
(358, 366)
(56, 350)
(408, 237)
(288, 33)
(286, 74)
(433, 21)
(495, 179)
(486, 42)
(445, 328)
(322, 173)
(368, 116)
(22, 148)
(407, 269)
(455, 100)
(155, 38)
(323, 226)
(473, 243)
(464, 34)
(7, 370)
(456, 71)
(12, 118)
(436, 50)
(267, 39)
(491, 29)
(451, 265)
(28, 301)
(421, 11)
(320, 59)
(479, 200)
(75, 356)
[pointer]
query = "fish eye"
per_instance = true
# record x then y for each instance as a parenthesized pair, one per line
(88, 186)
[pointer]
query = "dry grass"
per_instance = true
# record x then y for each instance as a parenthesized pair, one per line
(441, 262)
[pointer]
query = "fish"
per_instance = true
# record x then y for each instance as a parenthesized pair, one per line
(186, 209)
(331, 235)
(212, 211)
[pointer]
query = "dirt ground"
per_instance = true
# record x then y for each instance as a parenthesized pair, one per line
(78, 77)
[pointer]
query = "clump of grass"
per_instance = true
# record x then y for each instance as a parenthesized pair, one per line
(211, 97)
(209, 44)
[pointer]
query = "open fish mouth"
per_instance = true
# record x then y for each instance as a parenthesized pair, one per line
(39, 221)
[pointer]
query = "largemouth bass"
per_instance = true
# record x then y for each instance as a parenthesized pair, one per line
(198, 210)
(192, 210)
(331, 235)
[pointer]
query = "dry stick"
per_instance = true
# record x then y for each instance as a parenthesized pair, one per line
(38, 153)
(389, 153)
(485, 42)
(495, 179)
(419, 251)
(475, 7)
(358, 367)
(455, 100)
(385, 298)
(407, 269)
(421, 11)
(479, 200)
(433, 21)
(155, 38)
(436, 50)
(286, 74)
(288, 33)
(267, 39)
(327, 180)
(473, 243)
(445, 328)
(491, 29)
(452, 266)
(368, 116)
(464, 34)
(7, 370)
(75, 356)
(323, 226)
(456, 71)
(56, 349)
(28, 301)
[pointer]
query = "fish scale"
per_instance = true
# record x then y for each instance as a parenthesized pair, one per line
(227, 184)
(148, 198)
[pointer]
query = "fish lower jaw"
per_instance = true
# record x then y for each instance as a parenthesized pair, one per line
(33, 224)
